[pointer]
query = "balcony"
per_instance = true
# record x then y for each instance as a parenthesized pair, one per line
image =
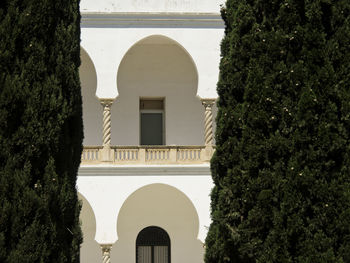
(157, 86)
(143, 155)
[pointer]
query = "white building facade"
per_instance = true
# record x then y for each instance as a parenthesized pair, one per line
(148, 75)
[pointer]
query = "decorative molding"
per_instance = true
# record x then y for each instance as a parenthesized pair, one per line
(182, 20)
(146, 170)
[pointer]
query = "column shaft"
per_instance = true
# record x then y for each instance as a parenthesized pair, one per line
(208, 129)
(106, 153)
(208, 121)
(106, 104)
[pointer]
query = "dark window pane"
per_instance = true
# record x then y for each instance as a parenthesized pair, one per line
(151, 129)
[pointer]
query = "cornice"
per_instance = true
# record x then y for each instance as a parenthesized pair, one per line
(153, 20)
(147, 170)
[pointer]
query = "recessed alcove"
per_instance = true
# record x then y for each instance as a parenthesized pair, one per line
(163, 206)
(158, 67)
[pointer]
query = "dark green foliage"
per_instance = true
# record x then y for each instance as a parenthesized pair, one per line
(282, 165)
(40, 130)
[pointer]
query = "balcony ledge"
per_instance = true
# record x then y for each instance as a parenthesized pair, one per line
(146, 155)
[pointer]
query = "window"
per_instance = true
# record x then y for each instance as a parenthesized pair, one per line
(153, 246)
(152, 121)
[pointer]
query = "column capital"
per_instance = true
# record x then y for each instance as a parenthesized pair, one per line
(106, 247)
(106, 102)
(208, 102)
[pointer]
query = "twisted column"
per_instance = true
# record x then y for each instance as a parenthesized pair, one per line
(106, 104)
(106, 154)
(106, 253)
(208, 121)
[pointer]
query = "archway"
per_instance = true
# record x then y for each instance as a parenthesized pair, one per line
(158, 67)
(90, 251)
(92, 109)
(163, 206)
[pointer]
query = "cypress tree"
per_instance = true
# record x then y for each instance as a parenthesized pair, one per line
(40, 130)
(282, 164)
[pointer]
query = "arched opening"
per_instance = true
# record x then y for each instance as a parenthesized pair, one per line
(92, 109)
(153, 246)
(158, 68)
(163, 206)
(89, 251)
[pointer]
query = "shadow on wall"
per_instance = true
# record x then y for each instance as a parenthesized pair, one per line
(163, 206)
(92, 109)
(158, 67)
(90, 251)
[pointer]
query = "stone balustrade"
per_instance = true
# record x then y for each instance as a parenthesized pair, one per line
(163, 154)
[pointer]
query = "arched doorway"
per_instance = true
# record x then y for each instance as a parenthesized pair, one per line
(153, 246)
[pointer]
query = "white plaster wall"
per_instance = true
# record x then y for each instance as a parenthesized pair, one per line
(92, 109)
(188, 6)
(158, 67)
(163, 206)
(107, 46)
